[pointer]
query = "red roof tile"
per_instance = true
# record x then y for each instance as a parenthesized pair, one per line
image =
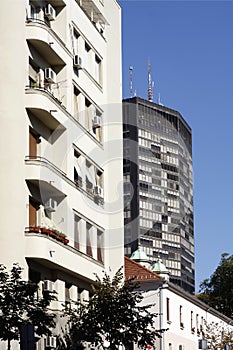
(138, 272)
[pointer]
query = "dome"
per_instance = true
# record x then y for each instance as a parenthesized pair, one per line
(141, 257)
(159, 267)
(139, 254)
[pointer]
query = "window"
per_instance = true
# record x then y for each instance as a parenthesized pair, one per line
(34, 140)
(192, 327)
(98, 69)
(181, 317)
(197, 323)
(34, 12)
(97, 124)
(87, 57)
(34, 206)
(76, 103)
(67, 294)
(100, 252)
(90, 177)
(78, 176)
(88, 239)
(75, 41)
(77, 222)
(87, 175)
(168, 309)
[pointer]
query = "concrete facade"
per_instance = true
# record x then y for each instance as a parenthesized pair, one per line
(61, 145)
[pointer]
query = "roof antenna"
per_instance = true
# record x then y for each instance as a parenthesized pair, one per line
(131, 81)
(150, 84)
(159, 100)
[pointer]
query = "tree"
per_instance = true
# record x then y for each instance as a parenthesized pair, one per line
(217, 291)
(113, 316)
(18, 305)
(217, 335)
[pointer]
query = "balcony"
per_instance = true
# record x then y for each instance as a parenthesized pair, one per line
(46, 117)
(43, 40)
(50, 253)
(44, 91)
(43, 191)
(46, 51)
(51, 174)
(50, 232)
(93, 10)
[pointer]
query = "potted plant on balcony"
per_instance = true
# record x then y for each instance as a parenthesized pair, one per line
(45, 230)
(62, 237)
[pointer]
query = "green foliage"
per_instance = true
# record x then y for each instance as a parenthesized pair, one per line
(113, 315)
(217, 335)
(18, 305)
(217, 291)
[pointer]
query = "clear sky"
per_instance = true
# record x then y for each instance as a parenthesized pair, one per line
(190, 46)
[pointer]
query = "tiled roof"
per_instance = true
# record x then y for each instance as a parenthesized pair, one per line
(139, 272)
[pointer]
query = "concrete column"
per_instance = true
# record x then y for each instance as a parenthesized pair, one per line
(59, 287)
(40, 289)
(73, 293)
(84, 296)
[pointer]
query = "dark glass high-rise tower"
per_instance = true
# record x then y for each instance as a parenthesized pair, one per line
(158, 187)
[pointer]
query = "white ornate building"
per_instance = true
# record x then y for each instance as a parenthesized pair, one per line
(185, 318)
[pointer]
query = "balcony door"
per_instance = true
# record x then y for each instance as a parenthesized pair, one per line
(33, 208)
(33, 141)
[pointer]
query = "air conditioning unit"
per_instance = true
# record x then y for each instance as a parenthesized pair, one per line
(48, 286)
(51, 205)
(51, 342)
(98, 192)
(77, 61)
(50, 75)
(96, 121)
(50, 12)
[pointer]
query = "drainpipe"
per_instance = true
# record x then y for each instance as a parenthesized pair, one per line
(161, 323)
(160, 316)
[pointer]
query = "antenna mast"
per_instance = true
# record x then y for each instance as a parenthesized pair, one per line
(131, 81)
(150, 84)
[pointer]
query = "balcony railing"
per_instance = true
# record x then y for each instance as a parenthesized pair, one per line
(45, 88)
(46, 161)
(54, 168)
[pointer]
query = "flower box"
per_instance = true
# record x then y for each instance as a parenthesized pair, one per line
(54, 233)
(46, 231)
(34, 229)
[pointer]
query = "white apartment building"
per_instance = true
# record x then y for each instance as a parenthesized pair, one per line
(61, 144)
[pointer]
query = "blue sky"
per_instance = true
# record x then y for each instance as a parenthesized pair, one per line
(190, 46)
